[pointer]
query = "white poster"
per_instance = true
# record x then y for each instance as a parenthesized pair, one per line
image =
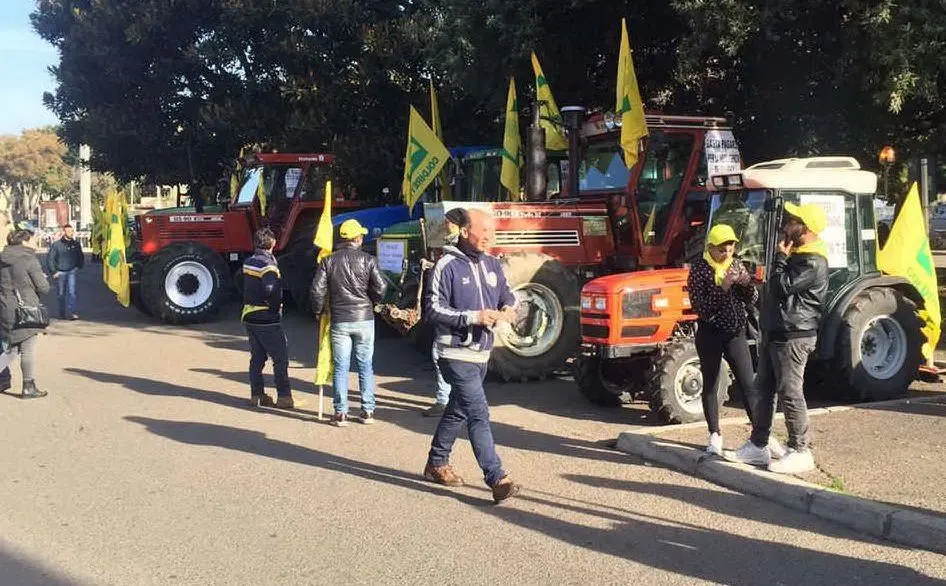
(391, 255)
(292, 180)
(834, 235)
(722, 153)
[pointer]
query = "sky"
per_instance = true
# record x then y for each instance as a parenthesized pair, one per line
(24, 60)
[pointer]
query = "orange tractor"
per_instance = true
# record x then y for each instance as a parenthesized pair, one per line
(637, 328)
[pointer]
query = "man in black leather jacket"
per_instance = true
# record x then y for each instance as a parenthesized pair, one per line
(352, 280)
(791, 317)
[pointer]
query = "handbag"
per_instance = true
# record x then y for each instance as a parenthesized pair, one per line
(34, 317)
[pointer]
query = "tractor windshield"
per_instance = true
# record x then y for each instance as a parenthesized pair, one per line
(278, 183)
(744, 211)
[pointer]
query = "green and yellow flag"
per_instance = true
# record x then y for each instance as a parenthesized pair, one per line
(261, 193)
(629, 106)
(549, 117)
(445, 192)
(324, 238)
(424, 158)
(115, 267)
(512, 145)
(907, 254)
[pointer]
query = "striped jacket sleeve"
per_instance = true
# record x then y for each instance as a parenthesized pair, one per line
(437, 308)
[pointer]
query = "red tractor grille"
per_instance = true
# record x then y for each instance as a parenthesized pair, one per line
(189, 233)
(595, 331)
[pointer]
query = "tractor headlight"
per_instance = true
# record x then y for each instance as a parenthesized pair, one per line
(586, 302)
(636, 304)
(601, 303)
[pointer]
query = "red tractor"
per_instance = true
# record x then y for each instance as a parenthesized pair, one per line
(186, 262)
(617, 220)
(637, 328)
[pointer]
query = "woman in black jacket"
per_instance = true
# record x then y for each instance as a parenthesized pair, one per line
(20, 275)
(721, 294)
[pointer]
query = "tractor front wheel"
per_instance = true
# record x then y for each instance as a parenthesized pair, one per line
(880, 345)
(546, 331)
(185, 283)
(604, 382)
(676, 384)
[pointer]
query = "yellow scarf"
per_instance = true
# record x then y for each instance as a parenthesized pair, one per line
(817, 247)
(719, 268)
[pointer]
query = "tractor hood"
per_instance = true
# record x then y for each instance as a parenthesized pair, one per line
(636, 281)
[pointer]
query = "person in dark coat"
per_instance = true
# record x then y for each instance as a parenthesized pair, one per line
(64, 260)
(20, 275)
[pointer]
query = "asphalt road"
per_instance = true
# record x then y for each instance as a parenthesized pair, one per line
(144, 467)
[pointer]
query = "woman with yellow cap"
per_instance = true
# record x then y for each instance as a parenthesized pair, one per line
(721, 294)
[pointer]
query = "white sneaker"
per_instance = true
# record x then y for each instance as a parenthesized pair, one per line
(776, 450)
(749, 453)
(715, 445)
(794, 462)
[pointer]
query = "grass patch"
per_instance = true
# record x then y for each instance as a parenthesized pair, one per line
(837, 485)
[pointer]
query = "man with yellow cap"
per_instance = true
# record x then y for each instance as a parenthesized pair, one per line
(353, 282)
(791, 317)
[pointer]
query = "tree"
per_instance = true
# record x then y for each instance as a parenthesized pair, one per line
(31, 166)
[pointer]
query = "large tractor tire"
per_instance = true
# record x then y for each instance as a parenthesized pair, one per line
(603, 382)
(880, 345)
(546, 332)
(185, 283)
(676, 384)
(138, 302)
(298, 266)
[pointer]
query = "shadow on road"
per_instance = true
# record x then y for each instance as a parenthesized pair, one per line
(680, 548)
(14, 570)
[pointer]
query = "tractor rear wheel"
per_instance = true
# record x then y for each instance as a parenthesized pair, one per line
(546, 331)
(298, 266)
(185, 283)
(880, 345)
(603, 382)
(138, 302)
(676, 384)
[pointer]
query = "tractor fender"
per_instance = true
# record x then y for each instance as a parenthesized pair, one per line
(827, 338)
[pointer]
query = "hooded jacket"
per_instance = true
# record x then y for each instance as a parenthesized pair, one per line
(21, 273)
(463, 283)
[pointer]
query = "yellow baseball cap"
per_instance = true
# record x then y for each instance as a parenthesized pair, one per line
(721, 233)
(811, 215)
(352, 229)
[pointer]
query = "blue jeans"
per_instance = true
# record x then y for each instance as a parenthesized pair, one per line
(66, 286)
(443, 387)
(468, 406)
(359, 336)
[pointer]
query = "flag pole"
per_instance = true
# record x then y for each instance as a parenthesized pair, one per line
(321, 387)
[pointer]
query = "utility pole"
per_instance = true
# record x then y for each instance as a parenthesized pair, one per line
(85, 187)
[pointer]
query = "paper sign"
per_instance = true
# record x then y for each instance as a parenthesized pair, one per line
(834, 235)
(722, 153)
(391, 255)
(292, 180)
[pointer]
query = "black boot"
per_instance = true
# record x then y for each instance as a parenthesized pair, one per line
(5, 385)
(31, 392)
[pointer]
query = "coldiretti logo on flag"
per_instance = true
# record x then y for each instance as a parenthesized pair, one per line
(549, 117)
(512, 145)
(629, 105)
(425, 156)
(115, 268)
(907, 254)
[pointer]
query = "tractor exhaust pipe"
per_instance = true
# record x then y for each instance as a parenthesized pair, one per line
(574, 117)
(536, 161)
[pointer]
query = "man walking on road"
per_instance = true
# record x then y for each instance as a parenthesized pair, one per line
(468, 295)
(353, 282)
(64, 259)
(262, 317)
(791, 316)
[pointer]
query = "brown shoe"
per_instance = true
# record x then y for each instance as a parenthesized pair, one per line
(262, 400)
(285, 403)
(505, 489)
(442, 475)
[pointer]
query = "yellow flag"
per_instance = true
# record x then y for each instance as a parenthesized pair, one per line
(424, 158)
(629, 106)
(261, 193)
(549, 117)
(115, 267)
(324, 239)
(512, 145)
(907, 254)
(445, 193)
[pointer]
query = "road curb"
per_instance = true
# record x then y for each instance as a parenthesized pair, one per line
(900, 525)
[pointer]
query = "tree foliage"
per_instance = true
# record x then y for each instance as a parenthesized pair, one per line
(32, 166)
(169, 89)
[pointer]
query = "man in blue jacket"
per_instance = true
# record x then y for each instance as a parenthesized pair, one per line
(468, 295)
(64, 259)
